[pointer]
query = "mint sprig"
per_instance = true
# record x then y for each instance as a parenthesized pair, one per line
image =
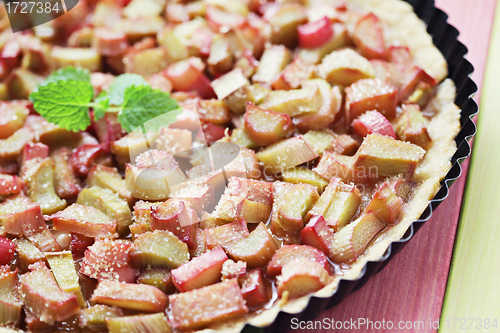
(66, 96)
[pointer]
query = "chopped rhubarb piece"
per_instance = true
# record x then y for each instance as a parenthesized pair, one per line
(153, 174)
(252, 164)
(110, 204)
(11, 54)
(187, 75)
(214, 111)
(340, 38)
(63, 269)
(345, 67)
(160, 278)
(388, 156)
(272, 62)
(199, 307)
(247, 63)
(210, 133)
(9, 168)
(44, 298)
(158, 249)
(399, 54)
(346, 145)
(301, 277)
(19, 213)
(138, 297)
(95, 316)
(351, 241)
(402, 187)
(220, 59)
(109, 178)
(421, 96)
(39, 176)
(158, 81)
(139, 323)
(199, 196)
(174, 140)
(293, 75)
(200, 271)
(7, 250)
(232, 88)
(34, 150)
(200, 245)
(218, 19)
(300, 175)
(84, 157)
(146, 62)
(12, 117)
(317, 234)
(284, 23)
(372, 122)
(256, 249)
(338, 204)
(10, 184)
(370, 94)
(23, 217)
(325, 115)
(85, 220)
(176, 216)
(293, 207)
(240, 137)
(11, 147)
(27, 253)
(288, 253)
(294, 102)
(43, 239)
(386, 205)
(320, 140)
(10, 303)
(229, 207)
(65, 182)
(108, 130)
(110, 43)
(227, 233)
(79, 244)
(368, 36)
(253, 190)
(411, 78)
(131, 145)
(286, 154)
(233, 270)
(411, 126)
(255, 288)
(108, 260)
(315, 34)
(335, 165)
(266, 127)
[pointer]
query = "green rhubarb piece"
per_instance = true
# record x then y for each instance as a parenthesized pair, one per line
(63, 269)
(110, 203)
(159, 248)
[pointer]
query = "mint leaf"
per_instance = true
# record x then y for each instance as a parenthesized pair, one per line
(65, 103)
(121, 83)
(142, 104)
(65, 74)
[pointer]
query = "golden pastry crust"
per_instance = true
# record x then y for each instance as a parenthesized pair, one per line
(407, 29)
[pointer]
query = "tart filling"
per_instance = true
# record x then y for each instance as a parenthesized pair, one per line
(309, 137)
